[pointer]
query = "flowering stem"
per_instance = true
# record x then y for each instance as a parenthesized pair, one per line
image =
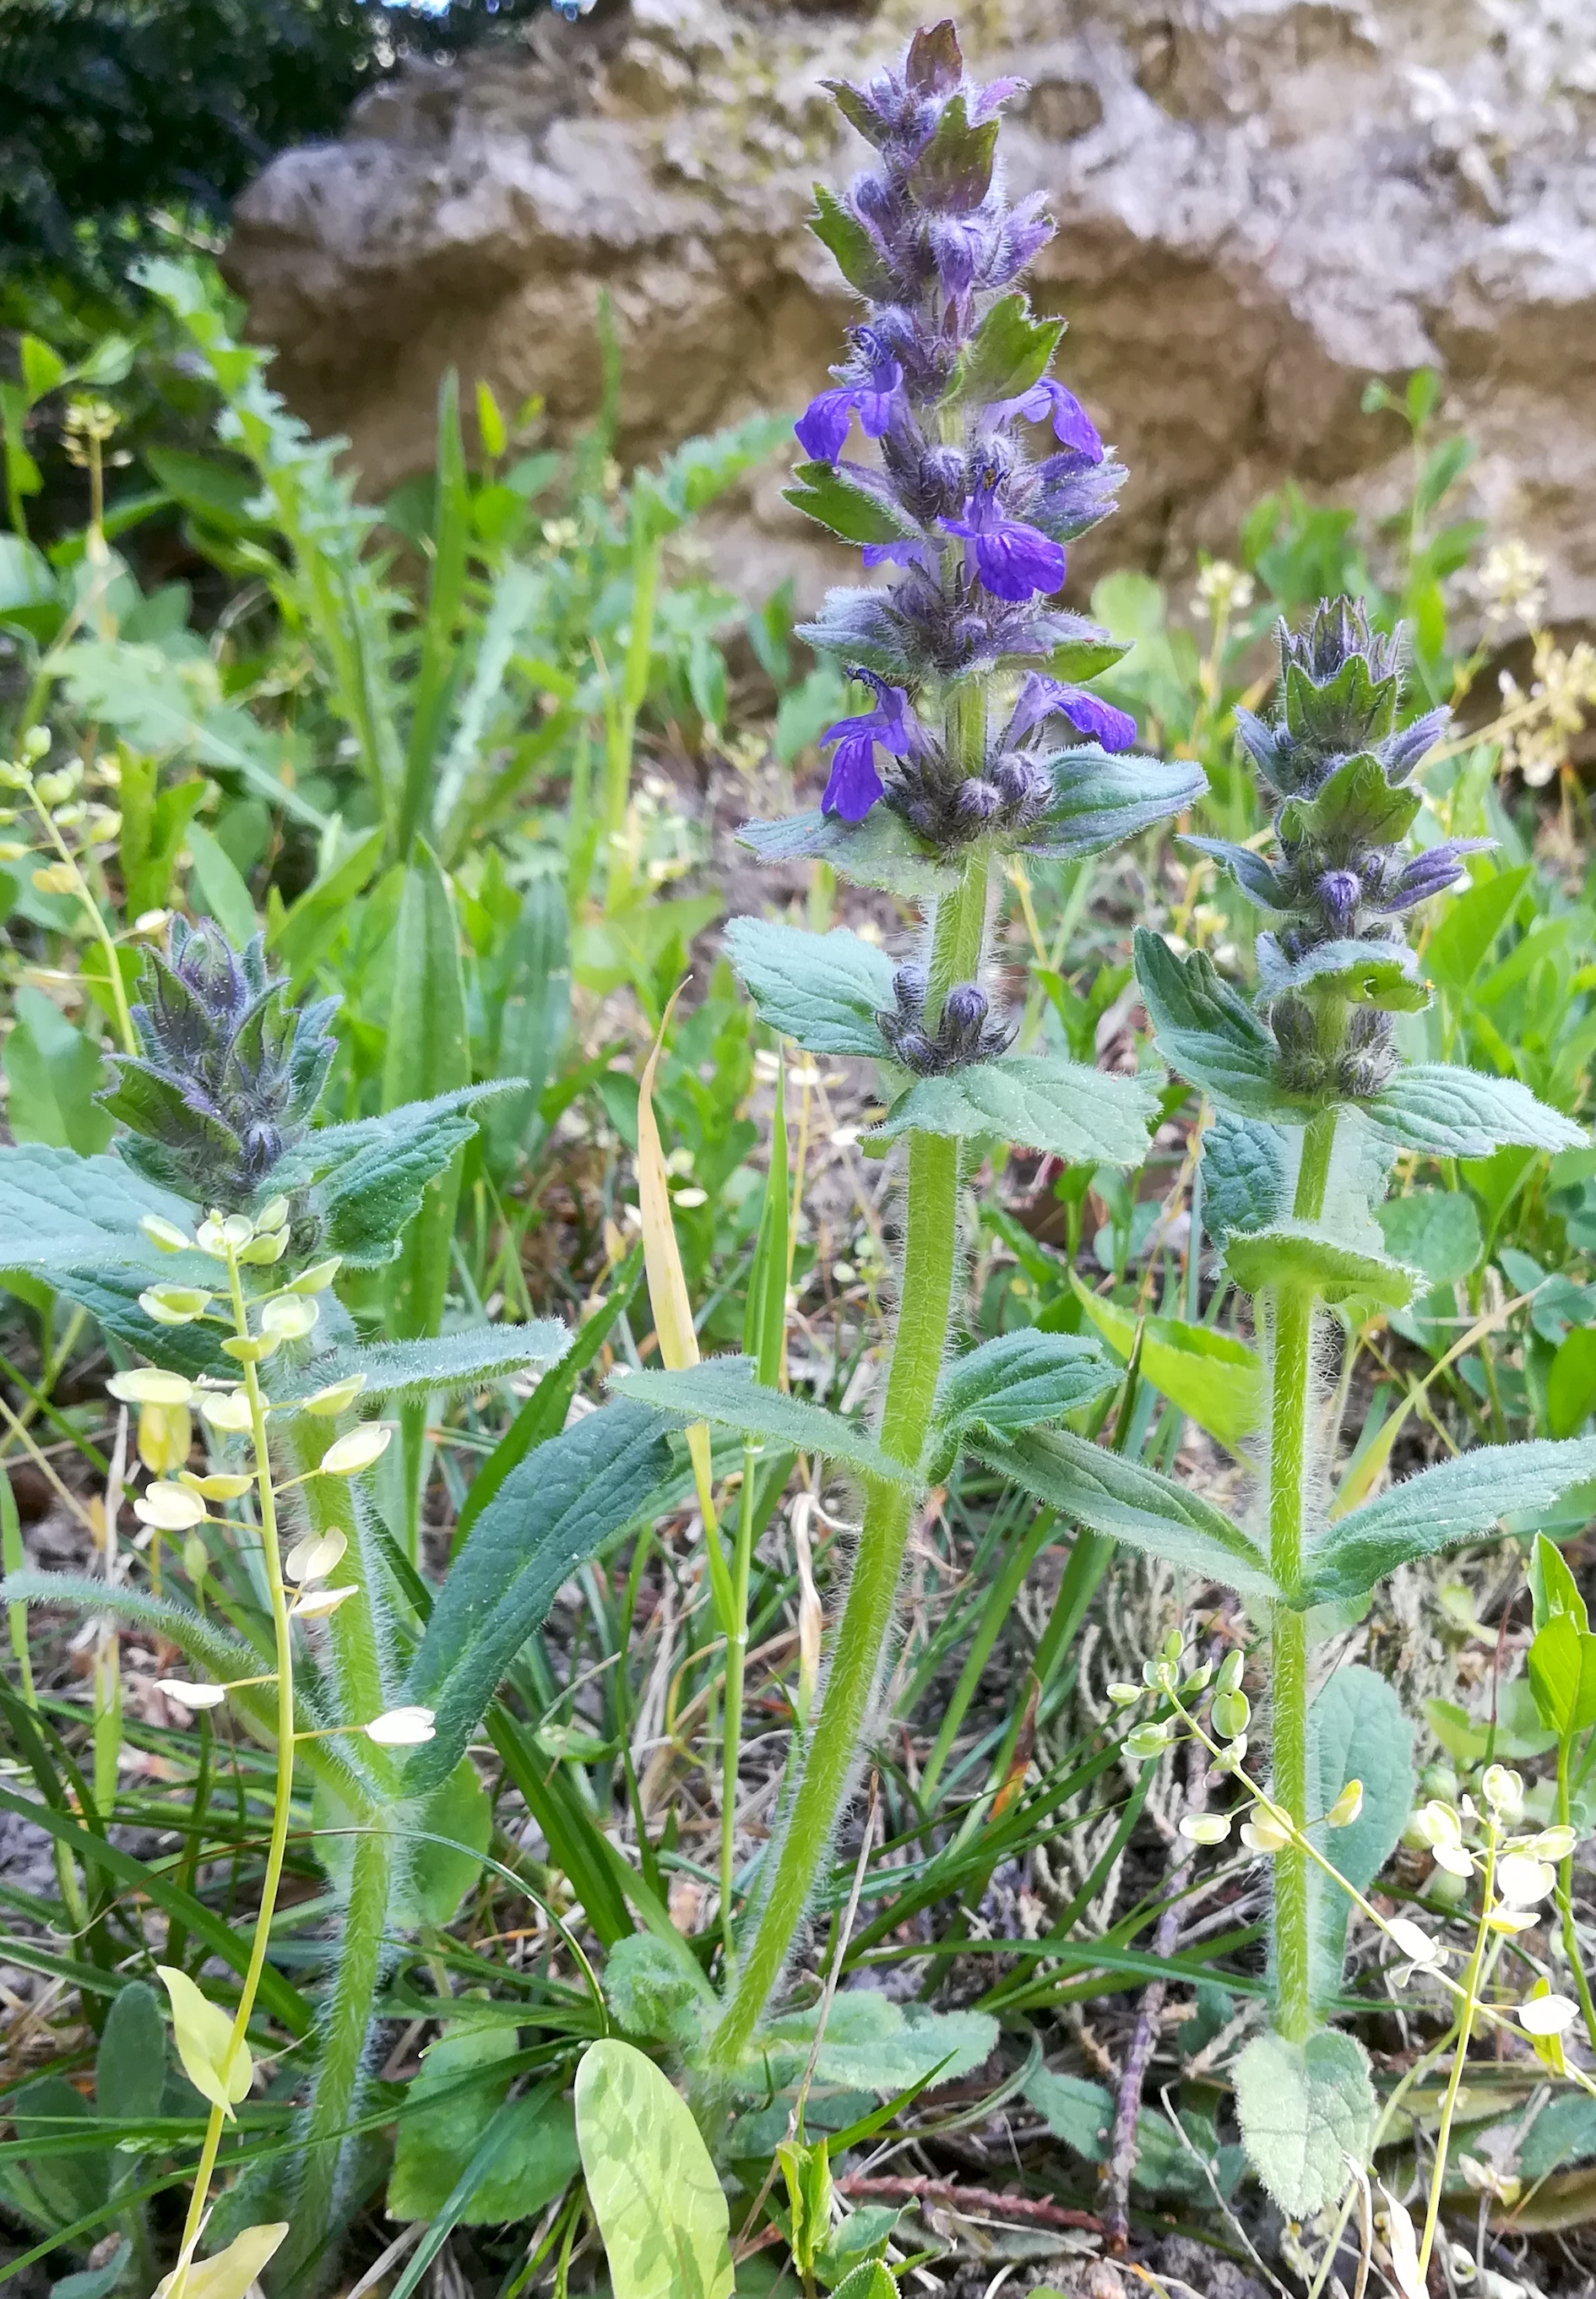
(1291, 1383)
(1471, 1985)
(278, 1844)
(1565, 1902)
(97, 925)
(931, 1258)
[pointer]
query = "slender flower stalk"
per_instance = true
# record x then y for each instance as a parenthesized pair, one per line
(978, 743)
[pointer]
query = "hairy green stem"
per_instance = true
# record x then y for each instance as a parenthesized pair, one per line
(1291, 1394)
(931, 1260)
(283, 1637)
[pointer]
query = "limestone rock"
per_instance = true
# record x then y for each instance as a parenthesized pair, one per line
(1261, 203)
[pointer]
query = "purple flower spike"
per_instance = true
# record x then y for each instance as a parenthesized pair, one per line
(1011, 560)
(822, 427)
(1339, 893)
(1041, 697)
(854, 786)
(1072, 427)
(899, 554)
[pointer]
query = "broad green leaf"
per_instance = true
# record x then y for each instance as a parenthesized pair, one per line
(1077, 2111)
(871, 2044)
(223, 892)
(130, 2065)
(530, 989)
(1090, 1486)
(1434, 1231)
(1571, 1382)
(1295, 1253)
(882, 851)
(825, 991)
(220, 2070)
(551, 1514)
(59, 1211)
(725, 1391)
(1563, 2132)
(1209, 1033)
(1461, 1499)
(1356, 806)
(1562, 1674)
(657, 1994)
(1446, 1112)
(1303, 2108)
(1357, 1731)
(1098, 801)
(463, 2080)
(31, 598)
(1021, 1380)
(653, 2188)
(54, 1072)
(413, 1369)
(1470, 924)
(230, 2274)
(1213, 1377)
(96, 2282)
(375, 1171)
(1008, 353)
(1246, 1170)
(1379, 974)
(856, 507)
(870, 2280)
(1516, 1731)
(428, 1053)
(700, 470)
(1250, 871)
(1039, 1102)
(69, 2185)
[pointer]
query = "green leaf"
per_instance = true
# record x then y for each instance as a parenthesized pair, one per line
(1009, 351)
(1303, 2107)
(54, 1072)
(653, 2188)
(1213, 1377)
(825, 991)
(29, 597)
(1563, 2132)
(1356, 807)
(43, 369)
(882, 851)
(1571, 1382)
(531, 989)
(1099, 800)
(1209, 1033)
(230, 2274)
(1246, 1176)
(954, 170)
(1434, 1231)
(850, 242)
(96, 2282)
(1553, 1589)
(1077, 2111)
(1443, 1111)
(700, 471)
(550, 1515)
(375, 1172)
(224, 894)
(1516, 1731)
(130, 2065)
(1381, 975)
(1250, 871)
(59, 1212)
(1461, 1499)
(1471, 922)
(1296, 1253)
(1357, 1731)
(872, 2280)
(1103, 1490)
(854, 506)
(871, 2044)
(220, 2070)
(1021, 1380)
(1562, 1674)
(445, 2118)
(69, 2184)
(1038, 1100)
(414, 1369)
(725, 1392)
(657, 1994)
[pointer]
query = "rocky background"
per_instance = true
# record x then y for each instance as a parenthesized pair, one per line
(1261, 203)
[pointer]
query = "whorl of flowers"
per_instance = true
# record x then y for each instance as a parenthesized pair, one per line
(1337, 769)
(987, 467)
(229, 1073)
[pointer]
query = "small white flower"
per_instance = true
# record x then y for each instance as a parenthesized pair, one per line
(1548, 2015)
(1453, 1859)
(170, 1508)
(289, 1317)
(328, 1403)
(1263, 1834)
(1417, 1945)
(1205, 1827)
(1553, 1843)
(148, 1385)
(401, 1728)
(1521, 1879)
(192, 1695)
(315, 1556)
(316, 1604)
(346, 1456)
(166, 1234)
(226, 1408)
